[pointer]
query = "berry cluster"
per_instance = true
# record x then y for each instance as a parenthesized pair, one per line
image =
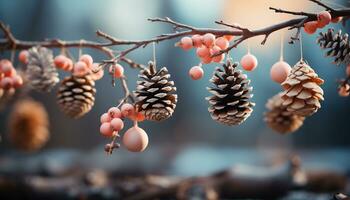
(9, 78)
(135, 139)
(323, 19)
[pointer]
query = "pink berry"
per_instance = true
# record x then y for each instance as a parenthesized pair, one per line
(324, 18)
(337, 19)
(280, 71)
(117, 124)
(114, 112)
(249, 62)
(69, 65)
(214, 51)
(60, 61)
(127, 110)
(23, 56)
(5, 63)
(7, 68)
(222, 43)
(17, 81)
(197, 40)
(310, 27)
(186, 43)
(118, 70)
(6, 83)
(138, 116)
(87, 59)
(106, 129)
(208, 39)
(105, 118)
(97, 75)
(203, 51)
(228, 37)
(80, 69)
(206, 60)
(135, 139)
(196, 73)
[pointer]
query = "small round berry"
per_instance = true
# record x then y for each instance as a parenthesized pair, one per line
(249, 62)
(186, 43)
(228, 37)
(197, 40)
(114, 112)
(118, 70)
(222, 42)
(336, 19)
(127, 110)
(105, 118)
(17, 81)
(206, 60)
(117, 124)
(97, 75)
(80, 69)
(87, 59)
(280, 71)
(60, 61)
(310, 27)
(203, 51)
(69, 65)
(196, 72)
(5, 63)
(6, 83)
(348, 70)
(106, 129)
(7, 69)
(23, 56)
(216, 50)
(344, 90)
(324, 18)
(135, 139)
(209, 39)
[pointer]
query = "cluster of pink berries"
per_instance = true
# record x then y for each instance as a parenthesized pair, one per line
(323, 19)
(135, 139)
(8, 76)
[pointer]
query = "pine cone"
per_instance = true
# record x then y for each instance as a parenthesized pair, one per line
(230, 103)
(155, 94)
(338, 46)
(28, 125)
(41, 72)
(302, 93)
(76, 95)
(279, 119)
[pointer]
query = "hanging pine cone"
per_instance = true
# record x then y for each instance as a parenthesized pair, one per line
(155, 94)
(230, 103)
(41, 72)
(279, 119)
(338, 45)
(28, 125)
(302, 93)
(76, 95)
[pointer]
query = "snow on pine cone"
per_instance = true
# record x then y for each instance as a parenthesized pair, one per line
(76, 95)
(155, 94)
(41, 73)
(230, 103)
(302, 93)
(337, 44)
(279, 119)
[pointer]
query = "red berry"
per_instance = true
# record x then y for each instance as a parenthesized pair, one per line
(216, 50)
(23, 56)
(7, 68)
(127, 110)
(6, 63)
(6, 83)
(203, 51)
(117, 124)
(228, 37)
(69, 66)
(206, 60)
(186, 43)
(17, 81)
(324, 18)
(196, 72)
(105, 118)
(197, 40)
(80, 69)
(87, 59)
(114, 112)
(60, 61)
(209, 39)
(222, 43)
(118, 70)
(310, 27)
(106, 129)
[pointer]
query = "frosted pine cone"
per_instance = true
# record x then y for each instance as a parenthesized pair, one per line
(28, 125)
(76, 95)
(230, 103)
(279, 119)
(302, 93)
(337, 44)
(41, 72)
(155, 94)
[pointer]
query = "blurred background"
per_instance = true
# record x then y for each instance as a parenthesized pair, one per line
(190, 143)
